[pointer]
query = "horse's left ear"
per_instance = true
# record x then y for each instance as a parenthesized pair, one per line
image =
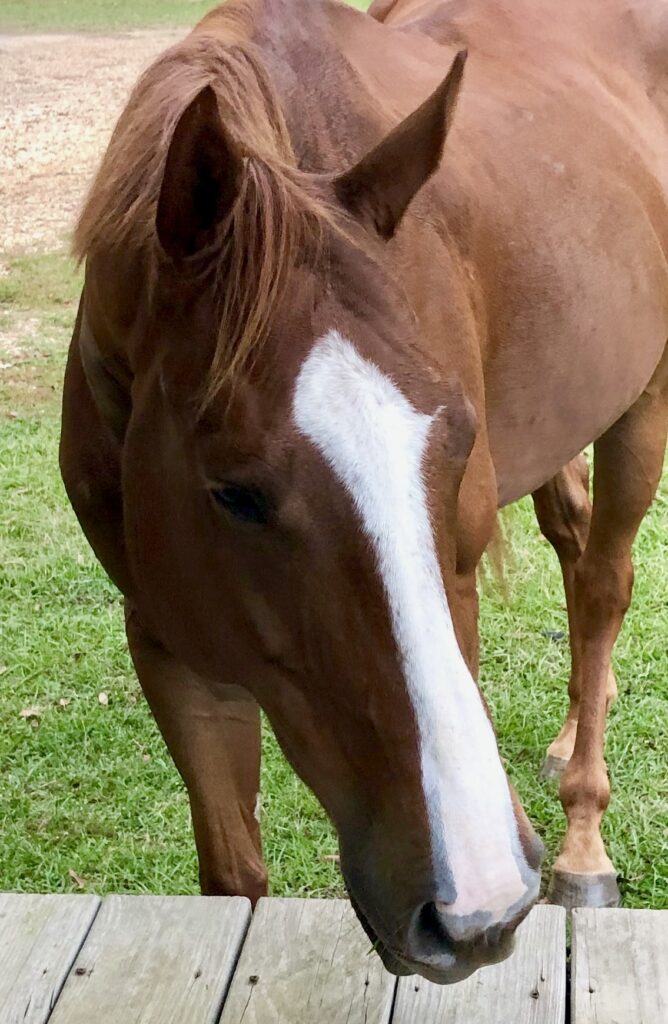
(378, 189)
(201, 179)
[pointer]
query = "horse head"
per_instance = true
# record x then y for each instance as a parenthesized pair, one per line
(292, 465)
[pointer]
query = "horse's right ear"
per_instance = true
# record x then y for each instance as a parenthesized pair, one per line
(378, 189)
(201, 179)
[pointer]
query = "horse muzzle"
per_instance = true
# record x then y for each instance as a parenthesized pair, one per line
(441, 946)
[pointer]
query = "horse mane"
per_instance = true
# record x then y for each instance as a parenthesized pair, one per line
(276, 218)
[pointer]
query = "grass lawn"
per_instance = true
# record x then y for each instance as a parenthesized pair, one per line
(71, 15)
(88, 789)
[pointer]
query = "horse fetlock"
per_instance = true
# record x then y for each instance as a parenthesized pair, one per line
(583, 874)
(584, 791)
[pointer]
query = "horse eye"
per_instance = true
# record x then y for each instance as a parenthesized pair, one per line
(244, 503)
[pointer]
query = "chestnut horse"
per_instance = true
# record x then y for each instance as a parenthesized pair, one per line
(311, 360)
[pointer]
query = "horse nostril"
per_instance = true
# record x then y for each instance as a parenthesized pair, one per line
(430, 924)
(437, 928)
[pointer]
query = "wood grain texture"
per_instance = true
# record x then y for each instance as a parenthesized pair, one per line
(155, 960)
(308, 962)
(529, 987)
(619, 967)
(40, 937)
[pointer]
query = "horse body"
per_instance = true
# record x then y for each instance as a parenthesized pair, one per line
(570, 269)
(470, 328)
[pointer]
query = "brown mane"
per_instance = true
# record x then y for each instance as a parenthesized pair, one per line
(276, 217)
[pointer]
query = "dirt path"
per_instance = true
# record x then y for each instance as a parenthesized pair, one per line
(59, 99)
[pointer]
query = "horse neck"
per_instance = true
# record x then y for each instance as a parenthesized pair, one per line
(326, 61)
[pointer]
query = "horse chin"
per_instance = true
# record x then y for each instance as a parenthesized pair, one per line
(448, 970)
(391, 961)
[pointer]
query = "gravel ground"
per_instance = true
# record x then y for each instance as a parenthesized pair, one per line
(60, 96)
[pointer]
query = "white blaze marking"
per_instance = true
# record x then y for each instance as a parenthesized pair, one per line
(375, 441)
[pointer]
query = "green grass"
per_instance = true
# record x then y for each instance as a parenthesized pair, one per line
(101, 15)
(89, 788)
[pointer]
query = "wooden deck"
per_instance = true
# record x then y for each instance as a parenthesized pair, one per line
(195, 960)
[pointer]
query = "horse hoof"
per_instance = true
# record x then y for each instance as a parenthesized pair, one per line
(553, 767)
(572, 889)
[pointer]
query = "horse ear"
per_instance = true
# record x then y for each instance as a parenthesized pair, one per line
(201, 179)
(379, 188)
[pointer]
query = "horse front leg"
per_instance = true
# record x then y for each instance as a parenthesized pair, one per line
(563, 511)
(214, 739)
(628, 461)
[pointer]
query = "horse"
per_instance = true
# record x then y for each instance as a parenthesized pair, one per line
(347, 293)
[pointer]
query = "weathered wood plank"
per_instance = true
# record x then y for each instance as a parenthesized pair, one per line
(308, 962)
(155, 960)
(530, 986)
(619, 968)
(40, 937)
